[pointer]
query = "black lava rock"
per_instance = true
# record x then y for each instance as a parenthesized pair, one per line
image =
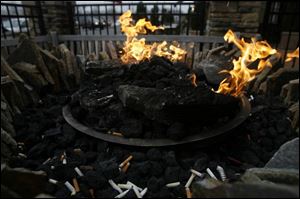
(176, 131)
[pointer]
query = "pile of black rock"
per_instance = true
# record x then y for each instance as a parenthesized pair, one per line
(53, 146)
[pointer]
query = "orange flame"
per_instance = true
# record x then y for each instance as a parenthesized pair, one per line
(240, 75)
(136, 50)
(290, 56)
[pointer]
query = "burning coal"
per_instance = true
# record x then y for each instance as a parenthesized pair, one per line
(136, 50)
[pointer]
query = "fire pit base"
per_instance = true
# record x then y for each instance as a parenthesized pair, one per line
(204, 137)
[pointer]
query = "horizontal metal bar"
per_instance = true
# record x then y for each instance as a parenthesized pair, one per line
(134, 4)
(18, 5)
(180, 38)
(14, 42)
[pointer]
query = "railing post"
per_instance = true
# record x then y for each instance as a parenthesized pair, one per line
(41, 18)
(53, 38)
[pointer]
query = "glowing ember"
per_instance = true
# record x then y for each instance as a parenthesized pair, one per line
(290, 56)
(240, 75)
(136, 50)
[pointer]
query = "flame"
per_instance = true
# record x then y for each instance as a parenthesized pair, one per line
(136, 50)
(292, 55)
(240, 75)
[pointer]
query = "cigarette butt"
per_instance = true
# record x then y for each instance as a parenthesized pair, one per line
(125, 186)
(62, 157)
(197, 173)
(125, 161)
(92, 193)
(70, 187)
(173, 184)
(144, 192)
(76, 185)
(52, 181)
(121, 195)
(136, 191)
(21, 143)
(22, 155)
(117, 134)
(211, 174)
(64, 161)
(52, 167)
(46, 161)
(114, 186)
(133, 185)
(189, 182)
(78, 171)
(188, 193)
(125, 168)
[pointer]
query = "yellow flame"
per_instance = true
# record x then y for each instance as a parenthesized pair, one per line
(136, 50)
(240, 75)
(290, 56)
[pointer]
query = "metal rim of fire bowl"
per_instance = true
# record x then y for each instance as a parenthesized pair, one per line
(205, 135)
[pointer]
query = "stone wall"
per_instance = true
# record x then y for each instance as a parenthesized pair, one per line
(57, 16)
(240, 16)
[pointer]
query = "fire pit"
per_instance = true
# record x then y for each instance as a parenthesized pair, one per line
(201, 137)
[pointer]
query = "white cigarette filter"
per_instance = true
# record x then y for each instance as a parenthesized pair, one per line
(133, 185)
(211, 174)
(189, 182)
(125, 186)
(64, 161)
(70, 187)
(144, 192)
(197, 173)
(114, 186)
(136, 191)
(52, 181)
(121, 195)
(78, 171)
(222, 173)
(173, 184)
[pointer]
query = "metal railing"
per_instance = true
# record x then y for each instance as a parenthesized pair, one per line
(180, 18)
(281, 26)
(19, 18)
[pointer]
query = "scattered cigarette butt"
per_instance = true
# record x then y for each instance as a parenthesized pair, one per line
(21, 143)
(78, 171)
(211, 174)
(46, 161)
(64, 161)
(52, 167)
(144, 192)
(117, 134)
(136, 191)
(197, 173)
(76, 185)
(173, 184)
(92, 193)
(121, 195)
(189, 182)
(52, 181)
(125, 161)
(70, 187)
(114, 186)
(125, 186)
(188, 193)
(22, 155)
(133, 185)
(125, 168)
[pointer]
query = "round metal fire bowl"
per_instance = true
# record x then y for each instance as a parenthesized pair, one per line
(201, 137)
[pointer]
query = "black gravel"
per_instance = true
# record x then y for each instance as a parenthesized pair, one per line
(46, 134)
